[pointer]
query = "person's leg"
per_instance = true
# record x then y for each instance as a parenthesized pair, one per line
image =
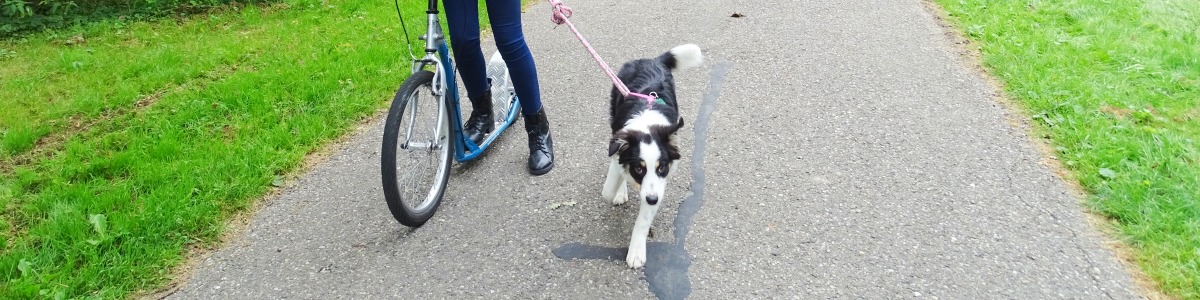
(462, 18)
(505, 16)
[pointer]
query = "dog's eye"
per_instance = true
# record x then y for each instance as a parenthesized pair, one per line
(662, 169)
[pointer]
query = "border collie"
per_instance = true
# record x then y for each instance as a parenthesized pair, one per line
(641, 148)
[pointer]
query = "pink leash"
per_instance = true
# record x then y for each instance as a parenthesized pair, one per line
(560, 14)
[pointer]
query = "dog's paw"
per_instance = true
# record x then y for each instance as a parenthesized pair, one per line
(636, 257)
(620, 198)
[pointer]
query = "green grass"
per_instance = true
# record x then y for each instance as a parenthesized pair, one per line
(1115, 84)
(126, 148)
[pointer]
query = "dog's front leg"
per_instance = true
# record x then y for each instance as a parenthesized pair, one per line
(636, 258)
(614, 185)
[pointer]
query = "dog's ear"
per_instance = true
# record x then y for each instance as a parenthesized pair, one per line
(618, 143)
(664, 133)
(677, 125)
(673, 152)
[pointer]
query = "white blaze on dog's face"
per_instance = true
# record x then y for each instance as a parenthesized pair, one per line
(651, 172)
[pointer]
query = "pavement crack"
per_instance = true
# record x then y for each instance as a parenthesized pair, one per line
(1075, 236)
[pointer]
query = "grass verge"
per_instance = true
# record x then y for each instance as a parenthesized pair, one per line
(122, 145)
(1115, 86)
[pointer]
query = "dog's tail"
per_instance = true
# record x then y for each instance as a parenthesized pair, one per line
(682, 57)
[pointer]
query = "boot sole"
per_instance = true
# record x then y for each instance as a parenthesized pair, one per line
(542, 171)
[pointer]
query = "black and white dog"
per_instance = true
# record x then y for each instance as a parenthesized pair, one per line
(641, 148)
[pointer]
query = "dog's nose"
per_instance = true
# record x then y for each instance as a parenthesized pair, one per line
(652, 200)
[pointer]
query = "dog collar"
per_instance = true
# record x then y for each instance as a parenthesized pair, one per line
(651, 99)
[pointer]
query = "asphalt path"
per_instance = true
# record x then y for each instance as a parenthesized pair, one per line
(834, 149)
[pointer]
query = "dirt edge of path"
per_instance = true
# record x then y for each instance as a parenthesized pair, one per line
(1017, 115)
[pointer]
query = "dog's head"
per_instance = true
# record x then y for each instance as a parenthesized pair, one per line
(647, 155)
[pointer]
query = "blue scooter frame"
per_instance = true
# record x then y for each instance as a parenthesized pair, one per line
(447, 89)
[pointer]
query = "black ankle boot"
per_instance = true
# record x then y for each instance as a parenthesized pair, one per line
(481, 122)
(541, 147)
